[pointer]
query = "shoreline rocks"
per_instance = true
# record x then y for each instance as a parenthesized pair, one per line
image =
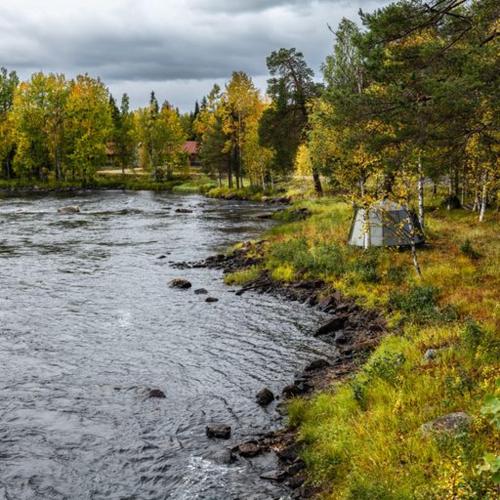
(354, 331)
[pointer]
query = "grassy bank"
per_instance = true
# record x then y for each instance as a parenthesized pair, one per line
(362, 437)
(105, 180)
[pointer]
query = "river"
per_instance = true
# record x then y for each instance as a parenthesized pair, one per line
(88, 324)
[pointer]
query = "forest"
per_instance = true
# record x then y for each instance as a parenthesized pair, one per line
(406, 109)
(408, 99)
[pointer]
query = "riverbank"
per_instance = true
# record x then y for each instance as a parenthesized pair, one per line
(180, 184)
(363, 434)
(104, 182)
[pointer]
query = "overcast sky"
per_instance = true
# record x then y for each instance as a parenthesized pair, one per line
(178, 48)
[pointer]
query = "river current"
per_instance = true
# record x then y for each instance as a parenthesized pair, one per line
(88, 325)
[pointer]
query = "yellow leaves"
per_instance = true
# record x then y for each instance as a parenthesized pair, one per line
(303, 163)
(363, 158)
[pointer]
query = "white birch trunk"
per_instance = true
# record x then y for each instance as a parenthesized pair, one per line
(366, 230)
(421, 194)
(484, 196)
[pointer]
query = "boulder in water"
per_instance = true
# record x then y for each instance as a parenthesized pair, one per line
(221, 431)
(264, 397)
(249, 449)
(274, 475)
(201, 291)
(224, 457)
(156, 393)
(211, 300)
(180, 283)
(70, 209)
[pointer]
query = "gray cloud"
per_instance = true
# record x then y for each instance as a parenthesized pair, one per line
(167, 45)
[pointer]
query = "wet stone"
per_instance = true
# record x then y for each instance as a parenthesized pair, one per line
(180, 283)
(224, 457)
(71, 209)
(250, 449)
(201, 291)
(333, 325)
(211, 300)
(274, 475)
(317, 364)
(156, 393)
(220, 431)
(264, 397)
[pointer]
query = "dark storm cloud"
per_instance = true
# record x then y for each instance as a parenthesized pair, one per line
(164, 41)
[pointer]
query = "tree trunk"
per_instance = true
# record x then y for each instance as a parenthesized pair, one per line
(450, 192)
(229, 174)
(421, 194)
(317, 182)
(412, 243)
(366, 230)
(362, 187)
(484, 196)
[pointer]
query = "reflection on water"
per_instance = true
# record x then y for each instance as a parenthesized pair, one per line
(88, 324)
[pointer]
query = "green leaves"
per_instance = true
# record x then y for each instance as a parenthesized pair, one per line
(491, 410)
(491, 466)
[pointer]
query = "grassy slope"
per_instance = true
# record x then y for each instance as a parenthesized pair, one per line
(362, 437)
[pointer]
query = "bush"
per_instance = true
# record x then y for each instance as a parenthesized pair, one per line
(419, 303)
(385, 367)
(365, 266)
(467, 249)
(472, 336)
(396, 274)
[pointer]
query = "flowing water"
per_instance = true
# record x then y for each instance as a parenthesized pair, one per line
(88, 324)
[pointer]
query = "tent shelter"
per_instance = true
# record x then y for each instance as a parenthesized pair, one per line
(384, 224)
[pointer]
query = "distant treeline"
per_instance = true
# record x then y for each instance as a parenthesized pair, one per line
(64, 130)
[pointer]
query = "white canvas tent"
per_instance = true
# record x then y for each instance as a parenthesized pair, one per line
(384, 224)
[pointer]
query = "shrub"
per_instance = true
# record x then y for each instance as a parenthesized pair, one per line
(419, 303)
(472, 336)
(365, 266)
(396, 274)
(385, 367)
(468, 250)
(359, 393)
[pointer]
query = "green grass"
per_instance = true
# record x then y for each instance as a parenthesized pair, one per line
(100, 181)
(242, 277)
(362, 436)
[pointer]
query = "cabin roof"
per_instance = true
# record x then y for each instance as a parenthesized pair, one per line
(191, 147)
